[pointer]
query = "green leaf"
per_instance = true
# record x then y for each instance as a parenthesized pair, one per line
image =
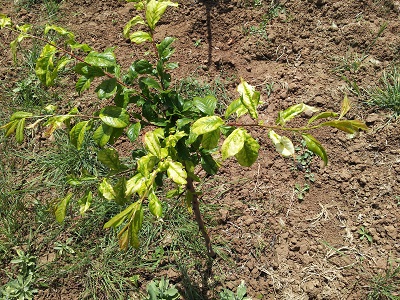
(120, 188)
(45, 66)
(315, 146)
(155, 9)
(346, 105)
(189, 201)
(210, 140)
(85, 202)
(106, 190)
(283, 144)
(155, 205)
(135, 185)
(14, 44)
(119, 218)
(84, 47)
(110, 158)
(206, 105)
(233, 143)
(104, 60)
(292, 112)
(176, 172)
(4, 21)
(249, 153)
(249, 97)
(10, 127)
(113, 116)
(241, 290)
(88, 71)
(102, 135)
(83, 84)
(19, 133)
(146, 164)
(142, 67)
(134, 21)
(165, 51)
(150, 82)
(349, 126)
(133, 131)
(140, 37)
(62, 208)
(19, 115)
(236, 107)
(107, 88)
(206, 124)
(77, 134)
(59, 30)
(152, 141)
(323, 115)
(208, 163)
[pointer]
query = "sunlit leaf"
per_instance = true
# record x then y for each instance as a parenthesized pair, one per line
(4, 21)
(20, 114)
(233, 143)
(116, 117)
(282, 144)
(59, 30)
(155, 9)
(249, 153)
(236, 107)
(323, 115)
(119, 218)
(105, 59)
(206, 124)
(85, 202)
(19, 132)
(346, 105)
(210, 140)
(152, 141)
(206, 105)
(110, 158)
(140, 37)
(155, 205)
(146, 164)
(315, 146)
(134, 21)
(106, 190)
(62, 208)
(176, 172)
(349, 126)
(102, 135)
(293, 111)
(45, 65)
(249, 97)
(133, 131)
(135, 185)
(77, 134)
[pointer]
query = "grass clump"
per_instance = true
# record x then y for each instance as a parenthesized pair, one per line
(387, 95)
(387, 285)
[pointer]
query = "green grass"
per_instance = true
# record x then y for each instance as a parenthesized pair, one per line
(51, 7)
(191, 87)
(386, 285)
(387, 94)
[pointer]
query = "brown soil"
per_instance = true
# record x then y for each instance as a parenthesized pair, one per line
(281, 247)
